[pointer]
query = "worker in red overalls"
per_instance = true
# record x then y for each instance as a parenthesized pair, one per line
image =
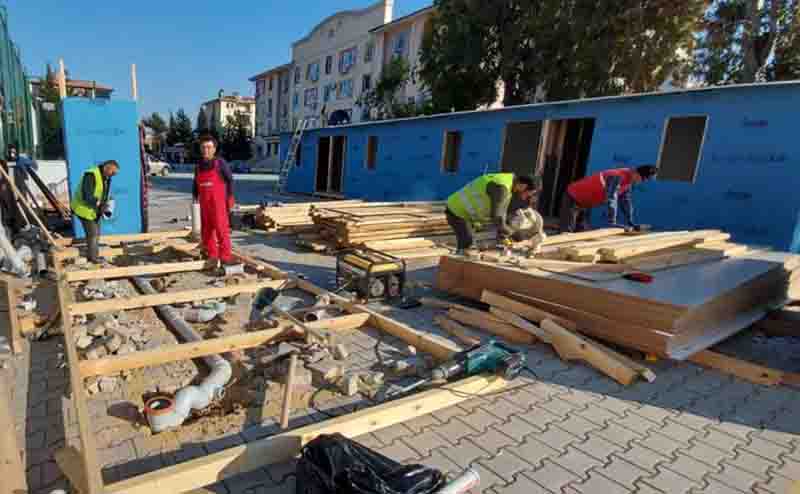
(213, 188)
(609, 187)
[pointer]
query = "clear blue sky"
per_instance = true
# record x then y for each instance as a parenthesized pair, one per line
(185, 51)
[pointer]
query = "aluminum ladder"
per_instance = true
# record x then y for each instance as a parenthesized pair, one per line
(288, 162)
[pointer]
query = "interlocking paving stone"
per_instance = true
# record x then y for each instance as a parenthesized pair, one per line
(655, 414)
(455, 430)
(714, 487)
(517, 428)
(522, 485)
(488, 478)
(691, 468)
(388, 435)
(595, 414)
(739, 430)
(619, 435)
(789, 468)
(441, 462)
(577, 462)
(778, 436)
(777, 484)
(493, 441)
(678, 432)
(600, 484)
(552, 476)
(425, 442)
(720, 440)
(643, 457)
(422, 422)
(504, 409)
(557, 438)
(755, 464)
(559, 407)
(660, 443)
(400, 451)
(533, 451)
(448, 413)
(598, 447)
(578, 426)
(735, 477)
(621, 471)
(539, 417)
(506, 465)
(706, 453)
(669, 481)
(581, 398)
(767, 449)
(617, 405)
(636, 423)
(480, 420)
(466, 453)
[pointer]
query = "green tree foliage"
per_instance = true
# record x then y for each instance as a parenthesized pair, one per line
(202, 122)
(52, 146)
(155, 122)
(179, 129)
(744, 41)
(553, 49)
(236, 140)
(383, 100)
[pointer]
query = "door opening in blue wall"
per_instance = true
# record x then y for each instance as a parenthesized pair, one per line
(331, 155)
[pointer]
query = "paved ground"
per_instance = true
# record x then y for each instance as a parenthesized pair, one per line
(568, 429)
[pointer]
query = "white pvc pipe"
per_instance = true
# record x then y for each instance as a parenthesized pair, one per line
(190, 397)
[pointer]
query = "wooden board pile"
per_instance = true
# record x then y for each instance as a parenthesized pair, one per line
(699, 294)
(289, 216)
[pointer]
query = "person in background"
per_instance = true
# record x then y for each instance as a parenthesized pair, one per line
(610, 187)
(213, 189)
(486, 199)
(91, 203)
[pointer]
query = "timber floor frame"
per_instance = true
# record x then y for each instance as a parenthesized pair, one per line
(82, 468)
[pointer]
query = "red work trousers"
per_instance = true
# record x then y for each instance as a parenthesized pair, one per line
(215, 228)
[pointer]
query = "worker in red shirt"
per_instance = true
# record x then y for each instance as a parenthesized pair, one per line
(609, 187)
(213, 188)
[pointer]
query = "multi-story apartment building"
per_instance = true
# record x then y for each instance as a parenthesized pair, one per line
(219, 109)
(403, 37)
(273, 98)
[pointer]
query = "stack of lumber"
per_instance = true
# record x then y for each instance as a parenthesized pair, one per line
(354, 226)
(687, 308)
(291, 216)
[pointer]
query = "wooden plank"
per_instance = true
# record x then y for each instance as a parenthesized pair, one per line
(263, 267)
(456, 330)
(132, 237)
(525, 310)
(491, 324)
(12, 470)
(340, 323)
(571, 346)
(622, 253)
(521, 323)
(131, 271)
(91, 466)
(563, 238)
(747, 371)
(590, 248)
(181, 351)
(11, 322)
(781, 322)
(95, 306)
(73, 252)
(286, 446)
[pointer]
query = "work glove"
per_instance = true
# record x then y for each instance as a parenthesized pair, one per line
(231, 203)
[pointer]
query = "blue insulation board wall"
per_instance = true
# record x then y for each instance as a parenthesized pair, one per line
(747, 180)
(99, 130)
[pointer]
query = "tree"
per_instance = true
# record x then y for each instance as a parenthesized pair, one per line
(50, 115)
(156, 123)
(744, 41)
(236, 140)
(383, 98)
(180, 128)
(202, 122)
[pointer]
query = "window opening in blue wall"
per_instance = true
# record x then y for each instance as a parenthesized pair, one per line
(451, 151)
(372, 152)
(681, 148)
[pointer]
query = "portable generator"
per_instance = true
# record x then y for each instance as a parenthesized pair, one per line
(372, 274)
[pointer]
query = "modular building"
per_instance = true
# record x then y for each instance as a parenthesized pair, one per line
(728, 156)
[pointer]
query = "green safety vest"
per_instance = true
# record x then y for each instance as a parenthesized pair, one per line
(472, 203)
(79, 206)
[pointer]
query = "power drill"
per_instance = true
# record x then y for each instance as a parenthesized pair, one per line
(494, 357)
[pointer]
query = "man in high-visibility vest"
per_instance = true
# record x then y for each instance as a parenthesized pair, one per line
(609, 187)
(90, 203)
(484, 200)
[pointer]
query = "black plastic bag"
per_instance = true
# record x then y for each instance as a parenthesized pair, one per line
(333, 464)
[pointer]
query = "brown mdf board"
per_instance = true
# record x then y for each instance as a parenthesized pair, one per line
(699, 305)
(11, 465)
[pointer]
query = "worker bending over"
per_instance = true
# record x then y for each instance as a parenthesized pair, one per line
(91, 202)
(213, 188)
(486, 199)
(609, 187)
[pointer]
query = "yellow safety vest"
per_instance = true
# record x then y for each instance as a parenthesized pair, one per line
(472, 203)
(79, 206)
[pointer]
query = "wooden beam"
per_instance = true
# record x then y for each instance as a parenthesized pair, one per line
(181, 351)
(129, 237)
(524, 310)
(263, 267)
(340, 323)
(563, 238)
(286, 446)
(456, 330)
(492, 324)
(521, 323)
(24, 202)
(93, 307)
(73, 252)
(12, 471)
(131, 271)
(747, 371)
(91, 467)
(571, 346)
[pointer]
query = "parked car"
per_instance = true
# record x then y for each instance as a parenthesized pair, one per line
(158, 167)
(240, 167)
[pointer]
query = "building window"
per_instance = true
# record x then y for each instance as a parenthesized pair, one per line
(295, 101)
(366, 83)
(369, 52)
(285, 110)
(328, 64)
(297, 75)
(451, 152)
(400, 44)
(260, 87)
(328, 91)
(372, 152)
(269, 106)
(347, 59)
(681, 148)
(310, 98)
(345, 89)
(270, 83)
(286, 83)
(312, 72)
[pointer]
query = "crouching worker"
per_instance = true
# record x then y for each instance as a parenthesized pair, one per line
(486, 200)
(213, 189)
(91, 203)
